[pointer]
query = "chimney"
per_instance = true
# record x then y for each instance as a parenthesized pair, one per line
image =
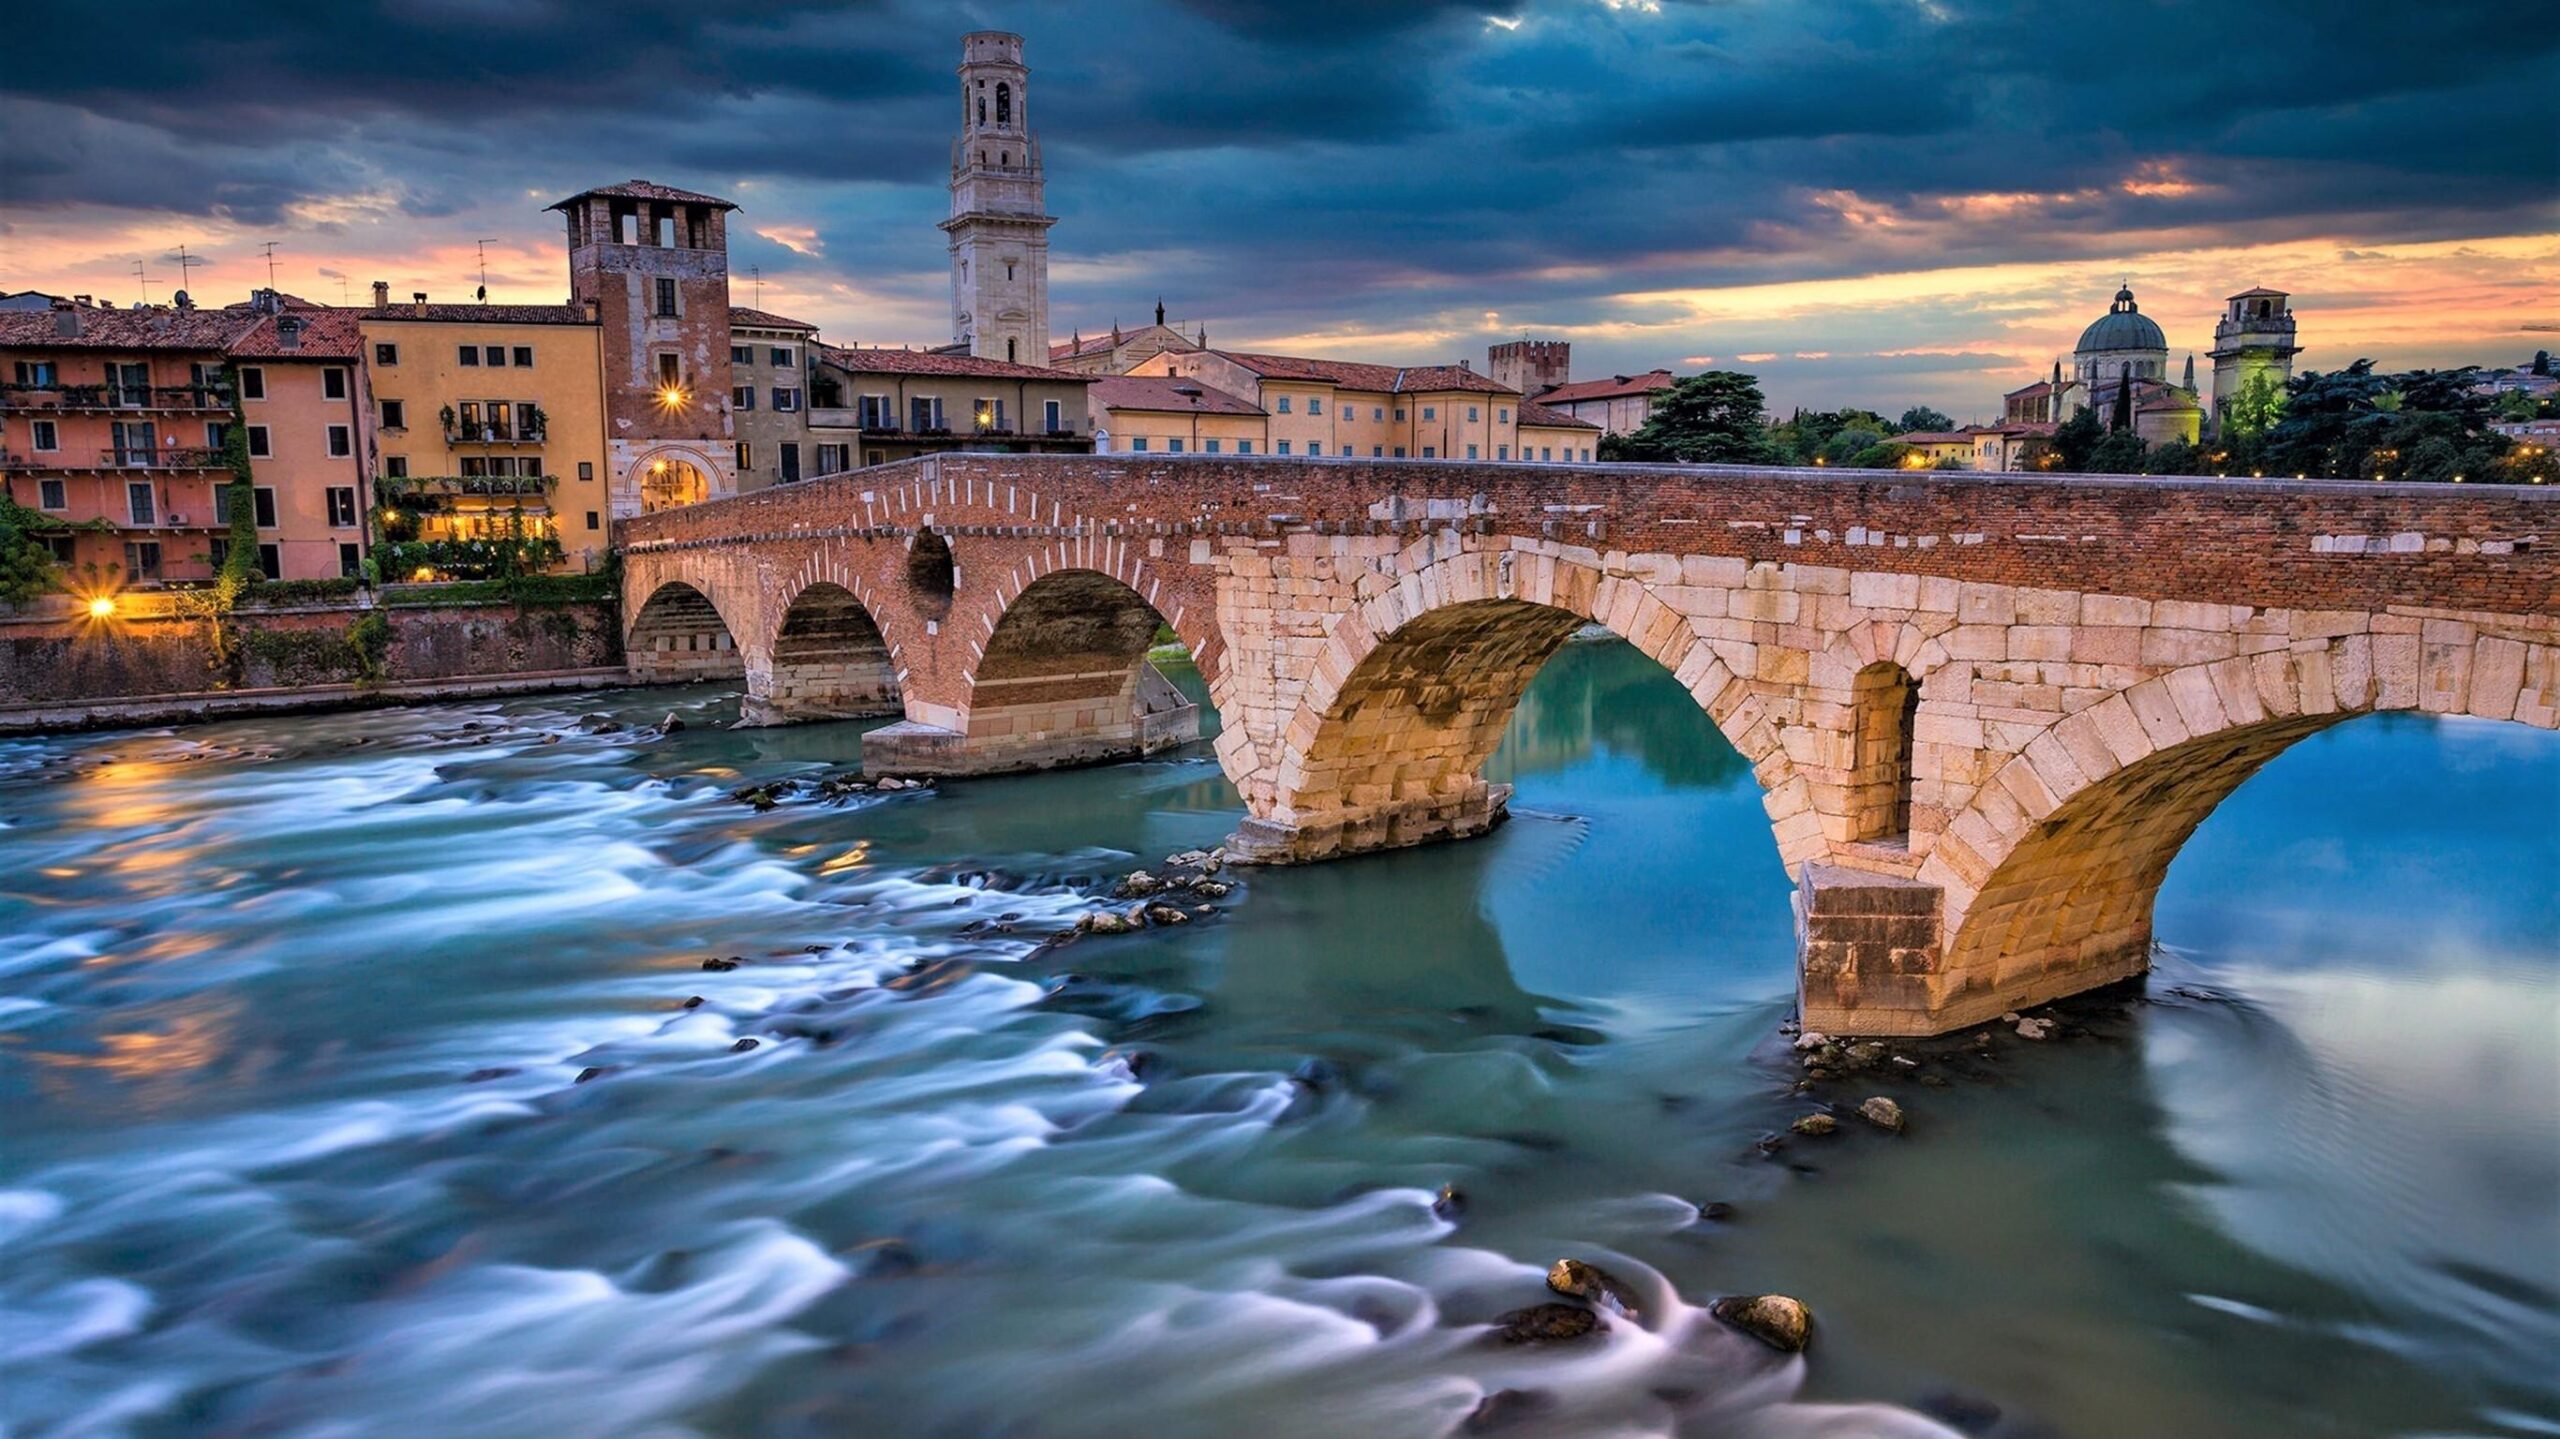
(66, 319)
(265, 302)
(382, 294)
(418, 301)
(1467, 366)
(289, 332)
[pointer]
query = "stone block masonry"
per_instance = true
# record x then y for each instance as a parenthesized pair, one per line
(2016, 694)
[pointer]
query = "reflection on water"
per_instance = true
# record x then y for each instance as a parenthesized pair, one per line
(295, 1019)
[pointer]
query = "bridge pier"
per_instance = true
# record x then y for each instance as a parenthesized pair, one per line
(1148, 716)
(1462, 813)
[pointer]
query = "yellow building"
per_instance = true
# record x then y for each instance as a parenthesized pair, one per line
(489, 428)
(1931, 448)
(1349, 409)
(1152, 414)
(1549, 434)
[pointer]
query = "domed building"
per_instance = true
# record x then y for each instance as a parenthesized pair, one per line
(2122, 349)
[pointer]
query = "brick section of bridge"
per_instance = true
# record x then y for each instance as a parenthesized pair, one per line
(2045, 682)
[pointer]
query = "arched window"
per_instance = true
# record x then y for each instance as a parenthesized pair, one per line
(982, 109)
(1004, 104)
(1009, 355)
(2265, 309)
(1887, 705)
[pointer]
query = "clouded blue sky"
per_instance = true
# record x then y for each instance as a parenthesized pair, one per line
(1878, 201)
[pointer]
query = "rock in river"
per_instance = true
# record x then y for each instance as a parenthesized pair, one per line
(1594, 1285)
(1815, 1125)
(1773, 1319)
(1883, 1113)
(1547, 1324)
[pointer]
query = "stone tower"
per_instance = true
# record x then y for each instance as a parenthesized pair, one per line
(1530, 366)
(2254, 336)
(652, 264)
(998, 227)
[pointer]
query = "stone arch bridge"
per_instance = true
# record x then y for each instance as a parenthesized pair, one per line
(1985, 711)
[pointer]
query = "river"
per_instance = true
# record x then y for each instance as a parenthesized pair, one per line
(294, 1014)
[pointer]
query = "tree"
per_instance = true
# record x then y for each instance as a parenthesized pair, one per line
(1714, 417)
(2121, 421)
(1845, 447)
(2120, 453)
(2253, 409)
(2424, 425)
(2076, 439)
(26, 566)
(1805, 438)
(1921, 417)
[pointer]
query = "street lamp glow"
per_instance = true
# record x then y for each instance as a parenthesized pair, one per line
(103, 607)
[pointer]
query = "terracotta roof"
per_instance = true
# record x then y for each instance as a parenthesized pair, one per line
(1933, 437)
(283, 298)
(1609, 389)
(646, 190)
(2039, 388)
(326, 335)
(1068, 349)
(1162, 392)
(2029, 428)
(766, 320)
(1355, 375)
(2252, 294)
(1534, 413)
(104, 329)
(930, 362)
(472, 313)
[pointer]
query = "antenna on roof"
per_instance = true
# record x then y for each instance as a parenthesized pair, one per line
(483, 295)
(143, 281)
(756, 272)
(270, 249)
(186, 268)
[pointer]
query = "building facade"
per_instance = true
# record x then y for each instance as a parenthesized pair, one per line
(895, 404)
(999, 226)
(1618, 404)
(1533, 367)
(770, 360)
(488, 424)
(301, 378)
(1118, 352)
(653, 261)
(1154, 414)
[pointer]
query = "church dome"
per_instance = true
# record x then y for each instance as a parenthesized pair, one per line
(2123, 327)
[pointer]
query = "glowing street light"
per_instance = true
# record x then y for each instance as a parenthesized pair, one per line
(102, 607)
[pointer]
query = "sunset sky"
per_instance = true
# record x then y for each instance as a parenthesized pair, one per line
(1881, 202)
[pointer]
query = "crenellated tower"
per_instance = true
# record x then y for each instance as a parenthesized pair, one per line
(2254, 336)
(999, 226)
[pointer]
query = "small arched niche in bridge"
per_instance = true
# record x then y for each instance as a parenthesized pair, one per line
(1063, 679)
(830, 661)
(933, 574)
(1885, 702)
(678, 637)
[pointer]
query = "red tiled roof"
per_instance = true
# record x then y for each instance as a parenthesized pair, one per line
(1609, 389)
(1068, 349)
(326, 335)
(288, 301)
(2252, 294)
(1160, 392)
(931, 362)
(647, 190)
(766, 320)
(474, 313)
(1934, 437)
(2030, 428)
(1534, 413)
(105, 329)
(1356, 375)
(2037, 390)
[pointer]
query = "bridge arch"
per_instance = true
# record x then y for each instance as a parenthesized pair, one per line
(829, 658)
(1062, 675)
(680, 636)
(1413, 688)
(2049, 875)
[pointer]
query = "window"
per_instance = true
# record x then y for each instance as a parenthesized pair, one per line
(142, 503)
(1284, 404)
(497, 357)
(1379, 412)
(1472, 414)
(386, 354)
(1208, 447)
(1010, 356)
(1431, 412)
(1399, 414)
(395, 414)
(742, 354)
(1244, 447)
(1546, 452)
(36, 374)
(258, 447)
(1004, 104)
(875, 457)
(263, 506)
(666, 296)
(1054, 416)
(587, 474)
(786, 398)
(1377, 452)
(350, 560)
(1503, 415)
(524, 357)
(1471, 452)
(629, 225)
(1315, 404)
(253, 382)
(746, 456)
(43, 436)
(1173, 446)
(743, 397)
(834, 459)
(333, 383)
(342, 506)
(395, 467)
(1138, 445)
(924, 412)
(142, 559)
(591, 519)
(670, 371)
(1431, 452)
(872, 412)
(468, 356)
(783, 356)
(342, 441)
(1399, 452)
(52, 495)
(1284, 447)
(270, 562)
(790, 462)
(1315, 447)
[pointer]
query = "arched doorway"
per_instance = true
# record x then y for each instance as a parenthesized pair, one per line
(670, 482)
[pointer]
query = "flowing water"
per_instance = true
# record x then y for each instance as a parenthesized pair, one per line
(293, 1014)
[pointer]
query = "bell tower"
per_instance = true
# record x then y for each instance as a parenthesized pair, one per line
(998, 227)
(2254, 336)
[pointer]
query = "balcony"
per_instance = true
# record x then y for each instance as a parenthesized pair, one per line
(101, 399)
(166, 457)
(520, 434)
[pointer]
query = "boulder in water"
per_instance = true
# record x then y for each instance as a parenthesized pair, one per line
(1137, 884)
(1450, 1203)
(1105, 921)
(1773, 1319)
(1166, 914)
(1814, 1126)
(742, 1046)
(1593, 1285)
(1547, 1324)
(1883, 1113)
(2035, 1029)
(671, 724)
(1715, 1211)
